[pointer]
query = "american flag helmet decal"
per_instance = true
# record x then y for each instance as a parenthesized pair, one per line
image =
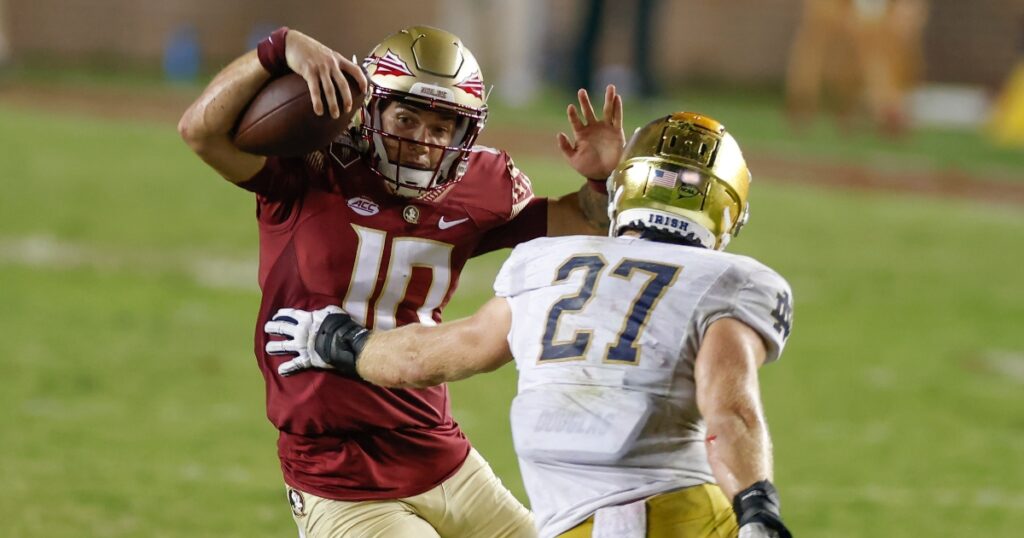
(664, 178)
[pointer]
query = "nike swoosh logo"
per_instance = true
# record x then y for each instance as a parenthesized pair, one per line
(444, 225)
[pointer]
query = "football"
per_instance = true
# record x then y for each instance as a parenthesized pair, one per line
(280, 120)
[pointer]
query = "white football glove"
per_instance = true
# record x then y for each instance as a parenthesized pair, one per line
(300, 326)
(757, 530)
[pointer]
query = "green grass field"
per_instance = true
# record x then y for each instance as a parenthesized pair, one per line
(755, 117)
(132, 406)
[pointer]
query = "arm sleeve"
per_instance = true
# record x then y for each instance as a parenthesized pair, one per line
(526, 216)
(758, 297)
(530, 223)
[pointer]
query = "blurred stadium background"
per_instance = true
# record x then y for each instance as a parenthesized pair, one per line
(129, 397)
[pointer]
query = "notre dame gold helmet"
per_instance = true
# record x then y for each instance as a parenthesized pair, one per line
(433, 70)
(682, 174)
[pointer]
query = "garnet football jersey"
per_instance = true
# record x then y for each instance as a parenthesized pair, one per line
(330, 233)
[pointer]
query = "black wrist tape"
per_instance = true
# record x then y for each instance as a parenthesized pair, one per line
(760, 497)
(339, 342)
(760, 503)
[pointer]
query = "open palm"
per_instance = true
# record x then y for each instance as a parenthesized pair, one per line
(597, 143)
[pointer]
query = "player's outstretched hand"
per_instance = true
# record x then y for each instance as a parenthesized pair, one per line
(300, 327)
(322, 67)
(597, 143)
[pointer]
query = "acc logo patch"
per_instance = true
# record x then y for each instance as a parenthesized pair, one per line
(364, 206)
(297, 502)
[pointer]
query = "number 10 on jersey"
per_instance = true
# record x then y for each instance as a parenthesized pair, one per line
(407, 253)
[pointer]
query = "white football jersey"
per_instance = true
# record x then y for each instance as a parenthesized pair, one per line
(605, 333)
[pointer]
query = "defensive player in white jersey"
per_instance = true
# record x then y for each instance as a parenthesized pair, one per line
(638, 411)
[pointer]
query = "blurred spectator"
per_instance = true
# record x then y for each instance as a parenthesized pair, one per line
(866, 53)
(640, 78)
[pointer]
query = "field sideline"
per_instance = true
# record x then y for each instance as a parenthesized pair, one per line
(134, 407)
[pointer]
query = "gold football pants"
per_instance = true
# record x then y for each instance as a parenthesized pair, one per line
(698, 512)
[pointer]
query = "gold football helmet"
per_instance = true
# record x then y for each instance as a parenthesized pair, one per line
(682, 174)
(430, 69)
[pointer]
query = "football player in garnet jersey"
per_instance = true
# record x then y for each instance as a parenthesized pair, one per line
(382, 222)
(638, 411)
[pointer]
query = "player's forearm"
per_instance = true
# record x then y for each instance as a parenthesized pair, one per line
(402, 357)
(580, 213)
(594, 207)
(214, 114)
(419, 356)
(738, 445)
